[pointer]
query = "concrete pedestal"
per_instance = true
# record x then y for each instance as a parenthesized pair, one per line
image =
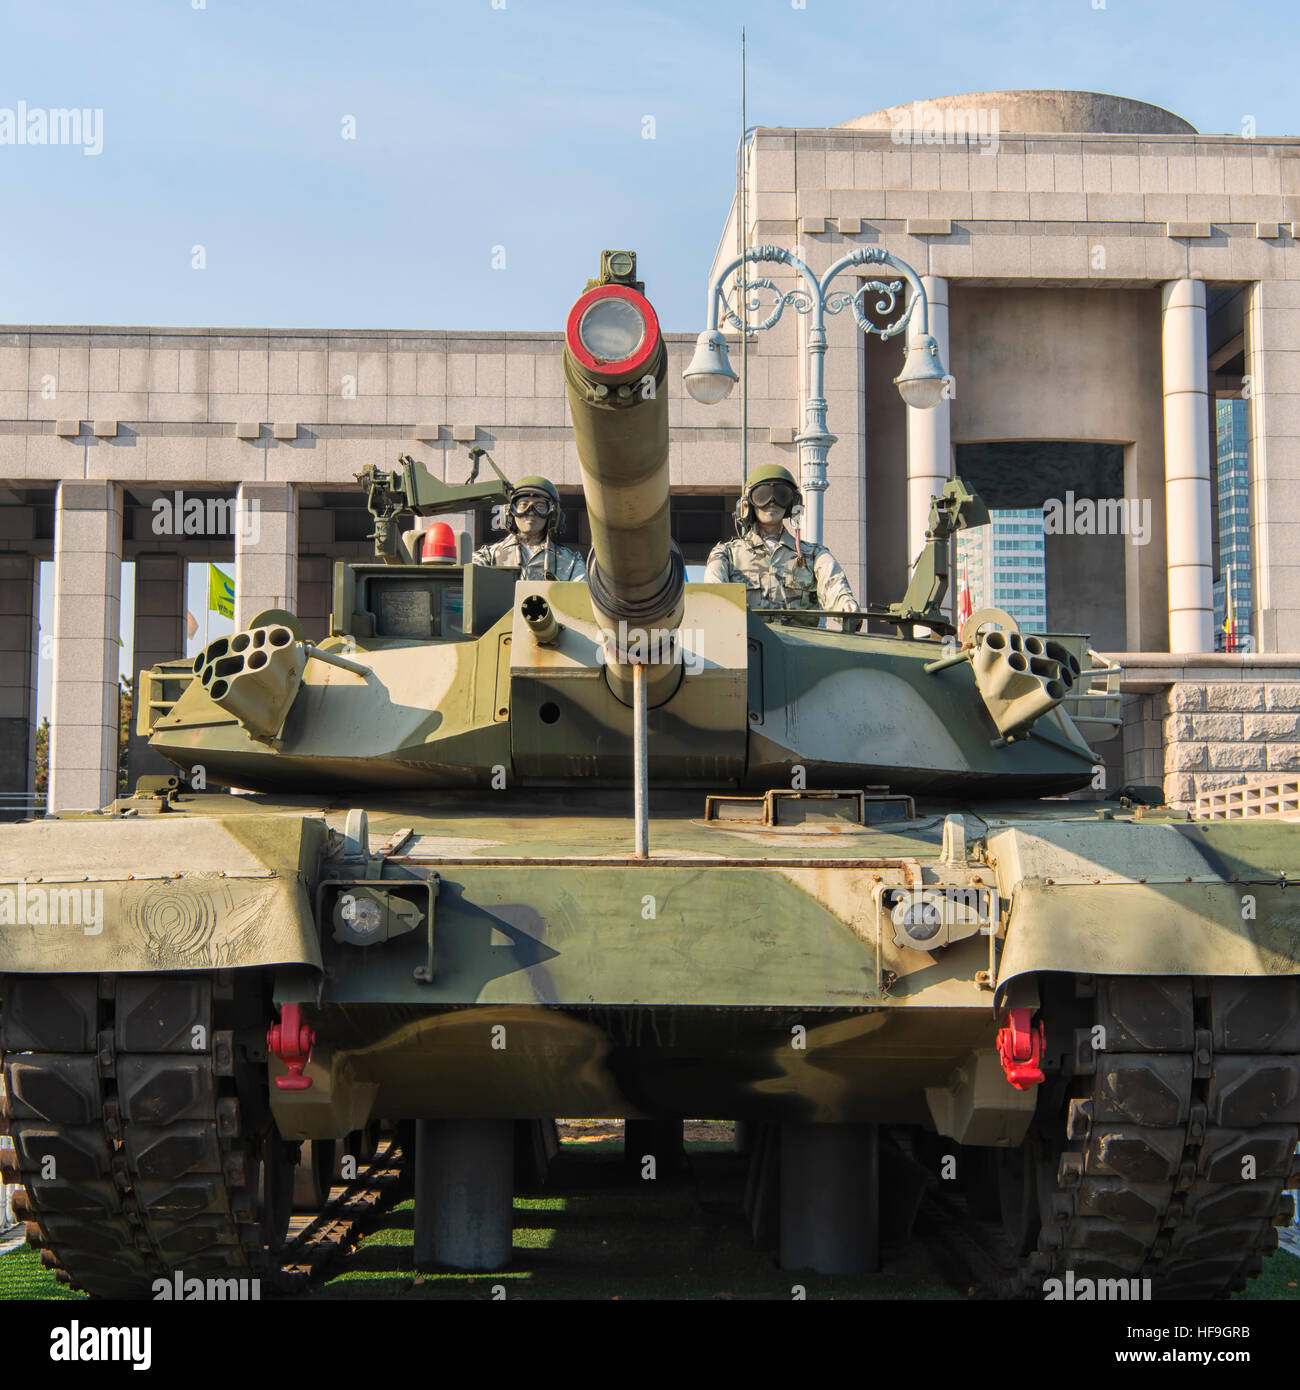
(763, 1186)
(464, 1189)
(659, 1138)
(830, 1198)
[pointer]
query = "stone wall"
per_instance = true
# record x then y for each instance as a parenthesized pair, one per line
(1144, 738)
(1206, 735)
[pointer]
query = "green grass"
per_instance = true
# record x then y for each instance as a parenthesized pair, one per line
(1280, 1279)
(610, 1237)
(600, 1232)
(22, 1277)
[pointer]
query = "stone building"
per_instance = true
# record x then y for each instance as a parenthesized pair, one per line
(1097, 272)
(1099, 275)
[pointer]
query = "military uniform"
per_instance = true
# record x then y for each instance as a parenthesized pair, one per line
(781, 577)
(546, 560)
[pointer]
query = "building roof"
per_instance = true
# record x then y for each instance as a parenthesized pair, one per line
(1040, 112)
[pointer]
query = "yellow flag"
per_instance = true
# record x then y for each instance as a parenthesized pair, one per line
(221, 593)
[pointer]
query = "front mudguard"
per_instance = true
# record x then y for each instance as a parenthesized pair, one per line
(162, 892)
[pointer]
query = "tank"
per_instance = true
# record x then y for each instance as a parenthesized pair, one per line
(506, 850)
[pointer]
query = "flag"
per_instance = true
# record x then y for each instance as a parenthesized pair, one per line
(964, 605)
(191, 624)
(1229, 620)
(221, 593)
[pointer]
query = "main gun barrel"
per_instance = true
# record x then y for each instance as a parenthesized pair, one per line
(615, 369)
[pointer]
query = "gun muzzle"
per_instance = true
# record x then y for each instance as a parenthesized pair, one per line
(614, 369)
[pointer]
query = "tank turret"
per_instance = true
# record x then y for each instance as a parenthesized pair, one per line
(438, 674)
(614, 368)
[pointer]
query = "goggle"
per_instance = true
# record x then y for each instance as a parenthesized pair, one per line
(767, 493)
(530, 502)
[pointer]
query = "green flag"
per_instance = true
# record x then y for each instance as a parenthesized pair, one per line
(221, 593)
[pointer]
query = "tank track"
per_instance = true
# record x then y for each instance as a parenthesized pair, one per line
(1179, 1136)
(142, 1143)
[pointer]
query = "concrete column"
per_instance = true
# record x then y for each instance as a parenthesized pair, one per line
(159, 636)
(84, 693)
(426, 1187)
(830, 1217)
(763, 1188)
(929, 432)
(844, 527)
(1273, 366)
(660, 1139)
(38, 654)
(18, 608)
(266, 550)
(464, 1185)
(1188, 541)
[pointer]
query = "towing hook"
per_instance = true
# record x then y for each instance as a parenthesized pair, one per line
(291, 1040)
(1021, 1043)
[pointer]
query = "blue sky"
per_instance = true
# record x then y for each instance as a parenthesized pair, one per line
(518, 126)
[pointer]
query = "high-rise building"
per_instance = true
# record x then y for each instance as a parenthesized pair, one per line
(1005, 565)
(1234, 519)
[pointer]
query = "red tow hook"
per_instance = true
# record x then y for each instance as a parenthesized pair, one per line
(292, 1041)
(1020, 1049)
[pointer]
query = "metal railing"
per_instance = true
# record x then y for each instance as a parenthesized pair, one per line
(21, 805)
(1094, 702)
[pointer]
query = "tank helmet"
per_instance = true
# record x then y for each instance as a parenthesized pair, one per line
(527, 495)
(769, 483)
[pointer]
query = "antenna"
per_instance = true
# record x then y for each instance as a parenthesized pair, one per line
(744, 279)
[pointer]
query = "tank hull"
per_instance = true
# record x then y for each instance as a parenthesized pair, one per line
(530, 966)
(740, 970)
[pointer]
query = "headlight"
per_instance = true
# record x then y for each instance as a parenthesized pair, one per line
(611, 329)
(920, 918)
(363, 916)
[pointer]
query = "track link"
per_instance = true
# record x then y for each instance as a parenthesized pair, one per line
(1179, 1136)
(137, 1150)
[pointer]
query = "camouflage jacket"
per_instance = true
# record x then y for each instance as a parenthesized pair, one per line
(809, 577)
(551, 561)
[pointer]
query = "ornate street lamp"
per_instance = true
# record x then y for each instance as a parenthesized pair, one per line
(709, 377)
